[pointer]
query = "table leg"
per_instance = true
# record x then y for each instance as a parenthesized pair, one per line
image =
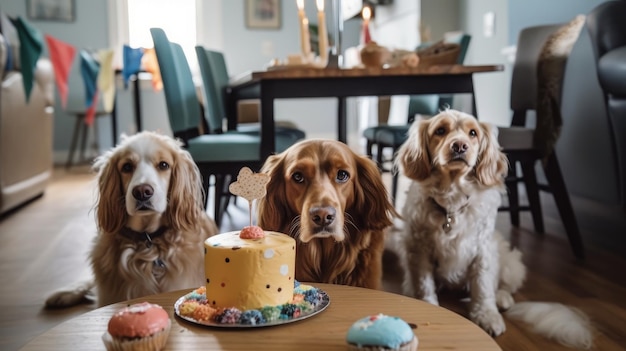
(342, 124)
(137, 102)
(268, 142)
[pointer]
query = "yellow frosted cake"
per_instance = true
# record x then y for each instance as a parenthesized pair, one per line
(249, 273)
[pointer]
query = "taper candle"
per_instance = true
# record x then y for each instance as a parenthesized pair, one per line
(367, 14)
(306, 50)
(322, 32)
(305, 46)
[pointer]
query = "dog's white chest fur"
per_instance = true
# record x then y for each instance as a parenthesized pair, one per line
(450, 249)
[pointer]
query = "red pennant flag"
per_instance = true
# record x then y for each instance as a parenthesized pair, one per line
(61, 56)
(90, 114)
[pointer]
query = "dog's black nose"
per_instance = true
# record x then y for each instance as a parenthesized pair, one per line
(459, 147)
(143, 192)
(323, 216)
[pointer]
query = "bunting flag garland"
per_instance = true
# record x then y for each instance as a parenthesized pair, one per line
(106, 79)
(89, 69)
(31, 46)
(151, 65)
(61, 56)
(132, 63)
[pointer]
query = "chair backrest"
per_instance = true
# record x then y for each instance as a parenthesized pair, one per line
(214, 81)
(183, 107)
(607, 26)
(524, 77)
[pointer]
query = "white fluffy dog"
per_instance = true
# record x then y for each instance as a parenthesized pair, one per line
(458, 173)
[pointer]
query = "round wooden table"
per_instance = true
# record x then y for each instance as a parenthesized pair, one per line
(437, 328)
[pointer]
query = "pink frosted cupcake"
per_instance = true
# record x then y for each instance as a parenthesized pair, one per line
(142, 326)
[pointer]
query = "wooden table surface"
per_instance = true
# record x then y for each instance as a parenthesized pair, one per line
(437, 328)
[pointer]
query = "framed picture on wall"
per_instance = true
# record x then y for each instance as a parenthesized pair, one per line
(263, 14)
(51, 10)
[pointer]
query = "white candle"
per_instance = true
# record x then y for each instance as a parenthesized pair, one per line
(322, 32)
(305, 46)
(306, 49)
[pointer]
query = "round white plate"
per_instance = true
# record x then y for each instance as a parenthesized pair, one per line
(325, 301)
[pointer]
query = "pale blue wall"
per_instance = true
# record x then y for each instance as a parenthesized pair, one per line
(89, 31)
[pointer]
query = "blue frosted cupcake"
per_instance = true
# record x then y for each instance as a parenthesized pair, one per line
(381, 333)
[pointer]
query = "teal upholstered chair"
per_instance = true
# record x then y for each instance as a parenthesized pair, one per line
(215, 80)
(393, 136)
(217, 155)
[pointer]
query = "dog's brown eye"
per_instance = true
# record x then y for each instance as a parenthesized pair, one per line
(440, 131)
(342, 176)
(473, 133)
(164, 165)
(127, 167)
(298, 177)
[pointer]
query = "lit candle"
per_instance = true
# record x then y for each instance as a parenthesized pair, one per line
(367, 14)
(305, 45)
(306, 49)
(321, 32)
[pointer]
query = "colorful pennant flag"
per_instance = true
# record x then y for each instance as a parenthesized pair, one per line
(89, 69)
(106, 79)
(151, 65)
(132, 63)
(31, 46)
(62, 56)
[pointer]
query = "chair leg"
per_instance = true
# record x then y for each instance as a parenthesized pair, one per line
(206, 184)
(217, 202)
(70, 157)
(532, 192)
(368, 149)
(564, 205)
(513, 194)
(379, 157)
(83, 142)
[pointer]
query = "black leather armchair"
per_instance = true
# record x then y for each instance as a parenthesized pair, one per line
(607, 28)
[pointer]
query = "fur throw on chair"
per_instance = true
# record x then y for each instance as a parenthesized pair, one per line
(550, 73)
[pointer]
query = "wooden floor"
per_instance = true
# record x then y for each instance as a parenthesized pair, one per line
(43, 246)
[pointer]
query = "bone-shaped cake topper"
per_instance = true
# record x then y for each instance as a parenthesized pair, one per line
(250, 186)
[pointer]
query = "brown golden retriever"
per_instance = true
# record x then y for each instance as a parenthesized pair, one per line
(334, 203)
(151, 223)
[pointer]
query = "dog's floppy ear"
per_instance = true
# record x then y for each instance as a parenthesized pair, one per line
(273, 211)
(413, 154)
(492, 164)
(371, 198)
(185, 192)
(110, 208)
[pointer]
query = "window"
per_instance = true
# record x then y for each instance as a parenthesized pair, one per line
(176, 18)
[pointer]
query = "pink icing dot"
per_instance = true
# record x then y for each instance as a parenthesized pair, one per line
(252, 232)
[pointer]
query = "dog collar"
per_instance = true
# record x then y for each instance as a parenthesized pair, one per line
(158, 268)
(142, 236)
(450, 220)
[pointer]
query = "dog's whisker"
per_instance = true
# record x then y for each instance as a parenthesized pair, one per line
(294, 227)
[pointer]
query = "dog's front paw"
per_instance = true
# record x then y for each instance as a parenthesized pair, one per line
(490, 320)
(431, 299)
(71, 296)
(504, 300)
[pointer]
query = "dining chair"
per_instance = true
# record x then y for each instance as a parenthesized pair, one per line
(215, 80)
(220, 156)
(386, 136)
(519, 142)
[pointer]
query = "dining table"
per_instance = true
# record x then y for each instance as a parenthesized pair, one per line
(435, 327)
(283, 82)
